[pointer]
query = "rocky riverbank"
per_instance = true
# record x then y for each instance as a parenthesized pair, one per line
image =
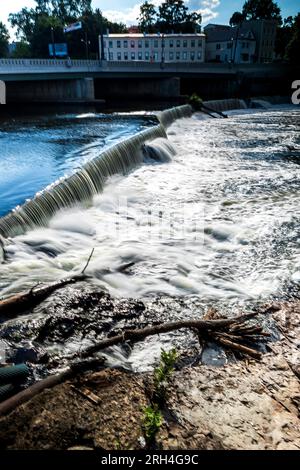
(228, 402)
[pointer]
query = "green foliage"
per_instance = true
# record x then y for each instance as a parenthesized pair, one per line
(293, 47)
(4, 40)
(22, 51)
(196, 102)
(261, 10)
(147, 18)
(152, 422)
(163, 372)
(236, 19)
(172, 16)
(33, 26)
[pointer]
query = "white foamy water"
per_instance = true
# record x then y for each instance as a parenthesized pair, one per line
(220, 220)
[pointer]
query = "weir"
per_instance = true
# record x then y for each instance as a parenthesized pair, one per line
(89, 180)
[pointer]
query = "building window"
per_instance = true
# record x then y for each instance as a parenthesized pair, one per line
(184, 55)
(185, 43)
(171, 43)
(218, 47)
(140, 56)
(125, 55)
(147, 44)
(125, 44)
(155, 56)
(111, 56)
(199, 43)
(245, 57)
(156, 43)
(218, 58)
(110, 44)
(105, 56)
(119, 56)
(147, 55)
(140, 44)
(193, 43)
(133, 56)
(229, 45)
(132, 44)
(118, 44)
(192, 56)
(177, 55)
(171, 55)
(178, 43)
(199, 55)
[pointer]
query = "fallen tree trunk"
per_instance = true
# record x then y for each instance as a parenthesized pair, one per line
(140, 334)
(21, 303)
(212, 329)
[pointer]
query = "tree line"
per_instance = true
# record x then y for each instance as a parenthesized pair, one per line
(36, 27)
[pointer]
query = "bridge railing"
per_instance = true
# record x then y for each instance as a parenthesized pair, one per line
(25, 65)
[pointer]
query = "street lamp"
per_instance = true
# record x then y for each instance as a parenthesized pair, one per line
(87, 43)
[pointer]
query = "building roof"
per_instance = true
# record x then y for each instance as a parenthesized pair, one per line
(153, 36)
(228, 33)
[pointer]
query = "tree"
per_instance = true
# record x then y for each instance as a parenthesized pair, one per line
(22, 50)
(174, 17)
(4, 40)
(147, 18)
(261, 10)
(34, 26)
(172, 13)
(293, 47)
(284, 36)
(236, 19)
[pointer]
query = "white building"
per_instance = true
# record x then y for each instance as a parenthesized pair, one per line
(154, 47)
(226, 44)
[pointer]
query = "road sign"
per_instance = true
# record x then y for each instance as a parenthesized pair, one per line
(61, 50)
(73, 27)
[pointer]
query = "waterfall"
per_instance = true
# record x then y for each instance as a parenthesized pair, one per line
(167, 117)
(160, 150)
(89, 180)
(80, 187)
(226, 105)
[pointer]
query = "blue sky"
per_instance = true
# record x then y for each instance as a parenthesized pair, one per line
(218, 11)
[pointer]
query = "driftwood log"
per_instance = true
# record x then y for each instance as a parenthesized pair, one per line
(227, 332)
(25, 301)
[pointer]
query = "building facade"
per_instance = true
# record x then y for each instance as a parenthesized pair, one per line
(230, 45)
(180, 48)
(265, 32)
(251, 42)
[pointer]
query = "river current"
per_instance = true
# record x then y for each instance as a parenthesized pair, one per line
(220, 220)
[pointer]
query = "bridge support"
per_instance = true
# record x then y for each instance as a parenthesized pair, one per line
(138, 87)
(51, 91)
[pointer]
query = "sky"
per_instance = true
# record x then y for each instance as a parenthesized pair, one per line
(126, 11)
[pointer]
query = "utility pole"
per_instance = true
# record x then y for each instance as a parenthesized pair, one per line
(162, 51)
(87, 43)
(53, 42)
(101, 40)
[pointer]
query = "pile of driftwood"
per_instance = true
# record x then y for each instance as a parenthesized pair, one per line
(237, 334)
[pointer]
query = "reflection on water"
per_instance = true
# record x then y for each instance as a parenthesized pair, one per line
(35, 152)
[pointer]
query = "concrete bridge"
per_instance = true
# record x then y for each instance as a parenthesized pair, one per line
(78, 80)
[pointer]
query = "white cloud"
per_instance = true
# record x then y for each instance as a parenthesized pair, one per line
(129, 16)
(208, 10)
